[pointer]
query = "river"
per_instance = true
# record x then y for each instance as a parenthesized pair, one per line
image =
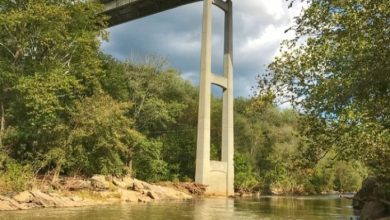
(264, 208)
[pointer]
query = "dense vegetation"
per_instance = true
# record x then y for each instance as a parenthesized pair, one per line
(336, 71)
(68, 109)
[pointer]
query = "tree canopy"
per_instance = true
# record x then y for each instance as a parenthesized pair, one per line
(68, 109)
(336, 72)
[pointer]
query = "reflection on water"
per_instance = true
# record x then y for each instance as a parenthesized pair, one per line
(265, 208)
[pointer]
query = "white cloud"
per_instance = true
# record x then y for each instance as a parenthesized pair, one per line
(274, 8)
(269, 35)
(259, 27)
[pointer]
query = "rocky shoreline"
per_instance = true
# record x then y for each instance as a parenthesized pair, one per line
(76, 192)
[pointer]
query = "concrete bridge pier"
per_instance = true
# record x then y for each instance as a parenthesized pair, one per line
(218, 175)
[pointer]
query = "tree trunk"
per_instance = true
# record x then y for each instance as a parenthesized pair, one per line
(56, 174)
(2, 123)
(130, 165)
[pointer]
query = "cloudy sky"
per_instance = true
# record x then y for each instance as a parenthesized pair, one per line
(259, 27)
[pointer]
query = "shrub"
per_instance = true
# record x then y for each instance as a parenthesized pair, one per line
(15, 177)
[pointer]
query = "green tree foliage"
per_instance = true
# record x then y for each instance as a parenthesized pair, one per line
(245, 178)
(163, 111)
(101, 139)
(267, 136)
(269, 157)
(336, 72)
(148, 162)
(66, 108)
(13, 176)
(56, 115)
(49, 61)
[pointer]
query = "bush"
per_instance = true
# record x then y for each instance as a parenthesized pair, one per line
(320, 181)
(15, 177)
(148, 164)
(245, 179)
(347, 177)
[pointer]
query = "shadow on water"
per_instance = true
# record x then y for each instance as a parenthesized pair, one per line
(265, 208)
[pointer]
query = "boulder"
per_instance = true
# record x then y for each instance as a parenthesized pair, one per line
(76, 199)
(129, 196)
(144, 198)
(146, 185)
(99, 182)
(138, 186)
(153, 195)
(169, 193)
(43, 199)
(10, 204)
(77, 184)
(7, 206)
(160, 193)
(24, 197)
(373, 210)
(124, 183)
(366, 193)
(52, 200)
(128, 181)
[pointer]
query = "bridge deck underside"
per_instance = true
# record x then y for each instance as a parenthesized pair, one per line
(121, 11)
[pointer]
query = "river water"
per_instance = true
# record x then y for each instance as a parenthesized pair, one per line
(265, 208)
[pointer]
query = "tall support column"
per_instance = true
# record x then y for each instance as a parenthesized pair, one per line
(227, 114)
(203, 141)
(217, 175)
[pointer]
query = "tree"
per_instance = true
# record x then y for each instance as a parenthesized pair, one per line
(48, 61)
(266, 140)
(163, 111)
(101, 137)
(336, 71)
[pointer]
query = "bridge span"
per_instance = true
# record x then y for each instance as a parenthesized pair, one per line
(217, 175)
(121, 11)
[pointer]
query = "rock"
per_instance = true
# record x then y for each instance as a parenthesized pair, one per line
(138, 186)
(7, 206)
(143, 198)
(52, 199)
(161, 193)
(43, 199)
(175, 194)
(153, 195)
(369, 186)
(187, 187)
(97, 185)
(76, 199)
(99, 182)
(128, 181)
(10, 204)
(55, 200)
(124, 183)
(77, 184)
(373, 210)
(129, 196)
(24, 197)
(147, 186)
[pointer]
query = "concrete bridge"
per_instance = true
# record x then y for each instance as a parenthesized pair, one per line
(218, 175)
(121, 11)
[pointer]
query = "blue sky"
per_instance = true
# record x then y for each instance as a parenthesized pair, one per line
(259, 27)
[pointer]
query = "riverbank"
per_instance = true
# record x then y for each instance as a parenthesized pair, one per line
(78, 192)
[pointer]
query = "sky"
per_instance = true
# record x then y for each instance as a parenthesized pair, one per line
(259, 28)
